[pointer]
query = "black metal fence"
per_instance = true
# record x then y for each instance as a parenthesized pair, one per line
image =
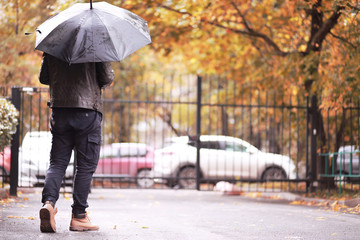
(177, 134)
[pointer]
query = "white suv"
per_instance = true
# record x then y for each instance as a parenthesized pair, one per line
(222, 158)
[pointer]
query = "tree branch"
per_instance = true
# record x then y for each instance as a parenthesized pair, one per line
(353, 7)
(174, 10)
(249, 31)
(242, 17)
(343, 39)
(319, 36)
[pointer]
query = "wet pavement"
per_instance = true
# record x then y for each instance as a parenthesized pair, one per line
(179, 214)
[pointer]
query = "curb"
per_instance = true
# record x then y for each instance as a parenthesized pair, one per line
(291, 197)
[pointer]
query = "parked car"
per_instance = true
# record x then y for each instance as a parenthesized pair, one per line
(131, 161)
(347, 163)
(221, 157)
(5, 158)
(34, 159)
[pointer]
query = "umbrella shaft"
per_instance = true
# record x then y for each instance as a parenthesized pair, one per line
(90, 4)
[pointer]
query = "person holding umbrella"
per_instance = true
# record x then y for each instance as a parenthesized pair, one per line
(75, 99)
(78, 45)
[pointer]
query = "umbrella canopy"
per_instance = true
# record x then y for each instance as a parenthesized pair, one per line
(100, 33)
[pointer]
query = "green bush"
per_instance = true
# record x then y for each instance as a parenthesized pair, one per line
(8, 121)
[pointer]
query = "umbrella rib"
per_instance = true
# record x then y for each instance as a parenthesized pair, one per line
(112, 43)
(73, 46)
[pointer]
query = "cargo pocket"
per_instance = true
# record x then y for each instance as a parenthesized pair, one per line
(93, 148)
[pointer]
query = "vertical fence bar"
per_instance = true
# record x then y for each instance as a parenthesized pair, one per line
(314, 121)
(289, 129)
(15, 143)
(198, 132)
(297, 142)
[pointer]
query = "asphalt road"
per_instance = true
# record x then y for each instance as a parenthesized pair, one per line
(179, 215)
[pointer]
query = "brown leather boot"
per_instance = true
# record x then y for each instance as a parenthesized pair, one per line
(47, 218)
(82, 223)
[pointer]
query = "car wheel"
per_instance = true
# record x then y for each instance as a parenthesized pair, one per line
(187, 177)
(144, 178)
(273, 173)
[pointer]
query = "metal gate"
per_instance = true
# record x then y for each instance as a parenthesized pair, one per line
(188, 132)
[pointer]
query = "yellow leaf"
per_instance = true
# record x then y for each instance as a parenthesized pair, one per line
(335, 206)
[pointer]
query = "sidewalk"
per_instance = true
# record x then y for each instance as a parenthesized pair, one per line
(176, 215)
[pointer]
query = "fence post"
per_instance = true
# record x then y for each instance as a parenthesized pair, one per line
(313, 143)
(198, 132)
(15, 143)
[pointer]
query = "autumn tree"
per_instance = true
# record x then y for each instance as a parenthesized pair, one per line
(19, 64)
(308, 47)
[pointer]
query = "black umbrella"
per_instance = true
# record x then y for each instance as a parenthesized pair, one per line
(101, 33)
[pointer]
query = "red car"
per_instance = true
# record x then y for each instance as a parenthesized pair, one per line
(5, 159)
(126, 161)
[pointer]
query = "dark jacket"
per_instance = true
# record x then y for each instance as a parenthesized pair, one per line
(76, 85)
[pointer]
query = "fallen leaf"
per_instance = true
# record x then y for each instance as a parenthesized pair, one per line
(114, 226)
(323, 204)
(14, 217)
(144, 227)
(254, 194)
(336, 206)
(320, 218)
(31, 218)
(67, 195)
(297, 203)
(276, 197)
